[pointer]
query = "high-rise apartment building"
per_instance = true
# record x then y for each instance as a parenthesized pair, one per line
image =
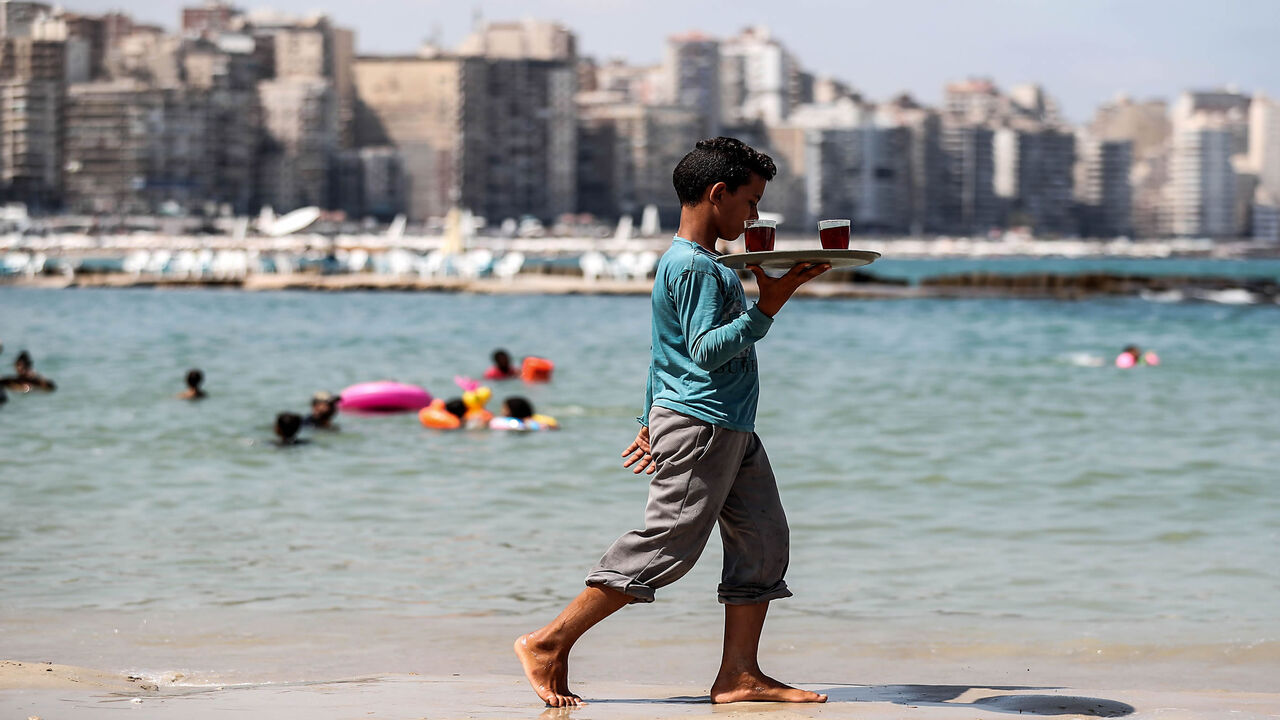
(691, 75)
(1201, 193)
(1033, 175)
(132, 148)
(312, 47)
(1264, 142)
(626, 154)
(968, 199)
(756, 76)
(1103, 186)
(531, 140)
(925, 164)
(17, 17)
(432, 110)
(1229, 108)
(371, 182)
(32, 94)
(496, 136)
(300, 142)
(521, 40)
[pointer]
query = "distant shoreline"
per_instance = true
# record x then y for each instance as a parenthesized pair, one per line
(857, 285)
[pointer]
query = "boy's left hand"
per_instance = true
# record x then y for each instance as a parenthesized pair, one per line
(775, 292)
(638, 454)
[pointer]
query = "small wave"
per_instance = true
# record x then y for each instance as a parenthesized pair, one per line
(1081, 359)
(1162, 296)
(1233, 296)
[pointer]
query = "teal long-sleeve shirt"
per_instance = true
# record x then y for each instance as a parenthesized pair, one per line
(703, 360)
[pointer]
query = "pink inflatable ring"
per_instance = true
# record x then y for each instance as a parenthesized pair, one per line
(384, 396)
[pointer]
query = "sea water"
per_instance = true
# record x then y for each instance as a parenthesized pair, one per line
(974, 464)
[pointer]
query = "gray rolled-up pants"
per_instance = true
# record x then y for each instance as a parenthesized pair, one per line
(706, 474)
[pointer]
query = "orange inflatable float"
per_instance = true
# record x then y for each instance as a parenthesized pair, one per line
(435, 416)
(536, 369)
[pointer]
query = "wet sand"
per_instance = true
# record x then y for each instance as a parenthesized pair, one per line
(60, 691)
(626, 670)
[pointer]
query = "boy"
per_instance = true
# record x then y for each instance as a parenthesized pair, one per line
(25, 378)
(324, 406)
(696, 438)
(193, 392)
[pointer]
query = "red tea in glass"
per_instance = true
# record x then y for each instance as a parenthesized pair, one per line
(834, 234)
(759, 235)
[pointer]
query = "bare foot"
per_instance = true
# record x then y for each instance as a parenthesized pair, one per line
(547, 671)
(746, 687)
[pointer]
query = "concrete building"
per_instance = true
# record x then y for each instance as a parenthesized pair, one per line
(32, 97)
(312, 47)
(756, 75)
(531, 138)
(1033, 175)
(925, 163)
(300, 141)
(521, 40)
(1201, 194)
(107, 143)
(210, 19)
(853, 163)
(1229, 108)
(1103, 187)
(633, 83)
(1266, 217)
(132, 148)
(973, 101)
(626, 154)
(371, 182)
(1264, 142)
(17, 17)
(1145, 124)
(968, 201)
(424, 106)
(147, 55)
(691, 76)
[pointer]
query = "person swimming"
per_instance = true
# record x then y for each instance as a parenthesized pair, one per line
(25, 378)
(193, 392)
(501, 368)
(1133, 356)
(324, 406)
(287, 426)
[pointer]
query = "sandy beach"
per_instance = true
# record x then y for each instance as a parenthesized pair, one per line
(629, 670)
(60, 691)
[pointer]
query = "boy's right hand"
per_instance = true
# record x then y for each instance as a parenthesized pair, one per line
(638, 453)
(775, 292)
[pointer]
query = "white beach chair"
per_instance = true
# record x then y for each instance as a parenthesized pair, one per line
(431, 265)
(509, 265)
(593, 264)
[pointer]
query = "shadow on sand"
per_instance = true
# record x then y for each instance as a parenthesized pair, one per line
(1015, 703)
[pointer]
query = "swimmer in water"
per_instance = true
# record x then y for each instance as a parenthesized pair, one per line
(25, 378)
(1132, 356)
(324, 406)
(501, 369)
(517, 407)
(193, 392)
(287, 426)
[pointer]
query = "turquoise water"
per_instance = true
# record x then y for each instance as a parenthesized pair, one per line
(918, 269)
(976, 459)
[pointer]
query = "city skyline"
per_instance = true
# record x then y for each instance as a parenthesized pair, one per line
(1143, 49)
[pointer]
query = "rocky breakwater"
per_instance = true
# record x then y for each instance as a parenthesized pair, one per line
(1237, 290)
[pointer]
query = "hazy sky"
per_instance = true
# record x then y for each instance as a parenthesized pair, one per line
(1083, 51)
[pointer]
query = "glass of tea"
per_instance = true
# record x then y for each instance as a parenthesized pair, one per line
(834, 234)
(759, 235)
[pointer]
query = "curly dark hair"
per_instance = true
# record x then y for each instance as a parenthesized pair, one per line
(722, 159)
